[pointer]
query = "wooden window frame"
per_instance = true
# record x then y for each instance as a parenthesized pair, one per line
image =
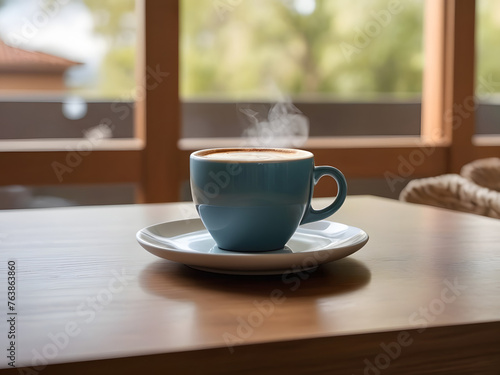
(447, 139)
(151, 159)
(158, 160)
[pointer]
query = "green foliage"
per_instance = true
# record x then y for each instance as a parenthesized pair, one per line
(115, 21)
(118, 73)
(109, 15)
(487, 42)
(261, 48)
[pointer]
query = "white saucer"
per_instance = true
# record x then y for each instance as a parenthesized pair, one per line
(188, 242)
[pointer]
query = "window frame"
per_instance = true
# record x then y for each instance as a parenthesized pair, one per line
(150, 159)
(447, 139)
(158, 162)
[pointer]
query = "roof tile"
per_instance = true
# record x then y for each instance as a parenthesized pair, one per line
(13, 58)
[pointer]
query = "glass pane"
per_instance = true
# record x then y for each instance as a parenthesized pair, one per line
(304, 48)
(488, 67)
(311, 52)
(66, 67)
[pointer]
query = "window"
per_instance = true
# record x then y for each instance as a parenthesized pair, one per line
(444, 139)
(96, 159)
(71, 64)
(352, 69)
(488, 67)
(67, 81)
(445, 142)
(310, 49)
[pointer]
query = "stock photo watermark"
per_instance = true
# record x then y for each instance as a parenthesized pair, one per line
(32, 25)
(92, 138)
(391, 351)
(11, 315)
(219, 181)
(263, 309)
(371, 30)
(154, 77)
(222, 7)
(86, 311)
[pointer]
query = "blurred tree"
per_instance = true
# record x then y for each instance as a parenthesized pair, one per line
(242, 49)
(488, 38)
(115, 20)
(255, 50)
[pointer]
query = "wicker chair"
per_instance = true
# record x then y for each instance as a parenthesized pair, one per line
(483, 172)
(454, 192)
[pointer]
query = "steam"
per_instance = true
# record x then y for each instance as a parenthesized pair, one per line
(284, 126)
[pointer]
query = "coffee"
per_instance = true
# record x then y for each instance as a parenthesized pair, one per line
(253, 199)
(254, 155)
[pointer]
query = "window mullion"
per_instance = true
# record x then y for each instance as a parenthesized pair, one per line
(459, 101)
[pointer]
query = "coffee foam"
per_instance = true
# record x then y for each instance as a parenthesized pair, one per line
(254, 155)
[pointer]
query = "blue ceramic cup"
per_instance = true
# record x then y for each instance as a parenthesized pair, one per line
(253, 199)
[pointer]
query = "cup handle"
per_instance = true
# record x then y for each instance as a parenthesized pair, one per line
(315, 215)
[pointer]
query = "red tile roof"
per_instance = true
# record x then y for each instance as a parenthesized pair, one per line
(16, 59)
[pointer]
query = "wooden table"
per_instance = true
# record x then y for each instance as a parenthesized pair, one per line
(422, 296)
